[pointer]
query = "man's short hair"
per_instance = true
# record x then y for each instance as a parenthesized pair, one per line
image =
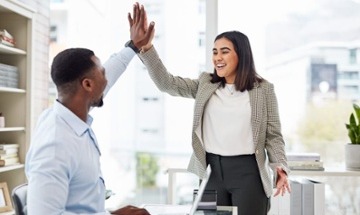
(70, 65)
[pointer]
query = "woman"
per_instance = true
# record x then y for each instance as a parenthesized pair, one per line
(236, 125)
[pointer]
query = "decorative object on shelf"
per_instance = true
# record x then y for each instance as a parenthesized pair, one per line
(352, 149)
(6, 38)
(2, 121)
(5, 201)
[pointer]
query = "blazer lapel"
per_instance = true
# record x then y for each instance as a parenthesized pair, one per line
(256, 103)
(203, 97)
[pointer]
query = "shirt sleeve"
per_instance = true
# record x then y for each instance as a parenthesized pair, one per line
(116, 65)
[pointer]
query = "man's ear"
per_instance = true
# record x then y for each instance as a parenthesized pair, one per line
(87, 84)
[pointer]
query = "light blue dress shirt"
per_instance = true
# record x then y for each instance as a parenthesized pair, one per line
(63, 162)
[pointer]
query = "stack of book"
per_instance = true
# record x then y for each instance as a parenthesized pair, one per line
(305, 161)
(9, 154)
(9, 76)
(6, 38)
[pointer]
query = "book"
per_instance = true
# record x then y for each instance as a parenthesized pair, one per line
(307, 197)
(6, 42)
(306, 165)
(313, 197)
(9, 145)
(279, 205)
(8, 151)
(307, 168)
(306, 156)
(4, 156)
(9, 161)
(296, 198)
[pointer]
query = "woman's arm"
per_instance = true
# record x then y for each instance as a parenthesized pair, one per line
(165, 81)
(275, 144)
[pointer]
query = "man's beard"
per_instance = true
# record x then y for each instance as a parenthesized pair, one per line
(99, 103)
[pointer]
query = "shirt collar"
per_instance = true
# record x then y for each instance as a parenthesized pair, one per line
(79, 126)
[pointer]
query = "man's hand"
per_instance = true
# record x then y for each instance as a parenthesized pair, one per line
(140, 33)
(282, 183)
(131, 210)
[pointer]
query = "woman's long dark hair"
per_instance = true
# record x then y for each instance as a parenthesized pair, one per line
(246, 74)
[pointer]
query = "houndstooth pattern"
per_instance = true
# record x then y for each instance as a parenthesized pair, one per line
(268, 140)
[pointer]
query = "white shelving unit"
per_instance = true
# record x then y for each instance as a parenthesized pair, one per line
(15, 103)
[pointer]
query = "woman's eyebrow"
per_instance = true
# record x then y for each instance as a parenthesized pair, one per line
(223, 48)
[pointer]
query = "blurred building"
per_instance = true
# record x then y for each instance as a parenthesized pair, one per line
(314, 73)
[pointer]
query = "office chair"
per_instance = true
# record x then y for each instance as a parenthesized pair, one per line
(18, 195)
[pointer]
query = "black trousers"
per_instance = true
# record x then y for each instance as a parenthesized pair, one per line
(237, 182)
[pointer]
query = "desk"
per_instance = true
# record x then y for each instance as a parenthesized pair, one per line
(171, 194)
(328, 172)
(180, 209)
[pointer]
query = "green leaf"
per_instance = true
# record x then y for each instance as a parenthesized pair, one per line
(357, 111)
(352, 120)
(351, 136)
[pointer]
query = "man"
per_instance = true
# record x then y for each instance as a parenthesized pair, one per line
(62, 164)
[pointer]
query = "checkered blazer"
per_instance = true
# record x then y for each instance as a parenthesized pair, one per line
(268, 140)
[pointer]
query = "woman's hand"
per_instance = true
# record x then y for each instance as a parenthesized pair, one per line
(282, 183)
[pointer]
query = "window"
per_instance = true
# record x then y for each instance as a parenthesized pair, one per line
(53, 33)
(353, 56)
(316, 80)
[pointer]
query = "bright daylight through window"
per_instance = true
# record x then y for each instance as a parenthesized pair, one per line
(309, 50)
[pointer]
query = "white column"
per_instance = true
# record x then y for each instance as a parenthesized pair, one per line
(211, 30)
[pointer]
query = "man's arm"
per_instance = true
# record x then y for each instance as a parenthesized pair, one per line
(116, 65)
(131, 210)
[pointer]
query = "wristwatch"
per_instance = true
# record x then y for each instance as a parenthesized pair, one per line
(130, 44)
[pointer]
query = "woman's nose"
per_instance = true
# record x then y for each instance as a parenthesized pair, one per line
(217, 57)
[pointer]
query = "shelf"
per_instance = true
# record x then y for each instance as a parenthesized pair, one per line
(11, 50)
(17, 7)
(11, 167)
(8, 213)
(11, 90)
(15, 102)
(12, 129)
(328, 172)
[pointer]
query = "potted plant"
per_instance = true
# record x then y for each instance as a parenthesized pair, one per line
(352, 149)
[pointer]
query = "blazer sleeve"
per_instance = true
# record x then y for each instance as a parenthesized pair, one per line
(166, 82)
(275, 144)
